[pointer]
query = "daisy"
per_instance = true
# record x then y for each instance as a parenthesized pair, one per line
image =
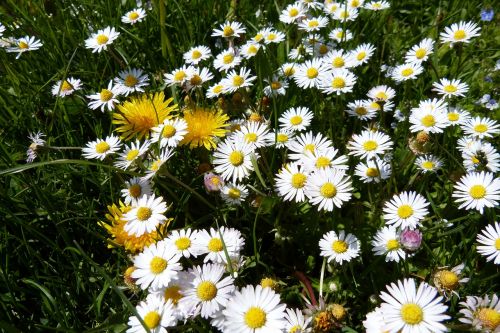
(288, 69)
(457, 116)
(310, 73)
(338, 81)
(24, 44)
(249, 49)
(229, 30)
(197, 54)
(310, 4)
(360, 110)
(406, 309)
(213, 182)
(340, 35)
(477, 190)
(280, 139)
(313, 24)
(235, 81)
(156, 314)
(132, 80)
(369, 144)
(420, 52)
(156, 265)
(374, 105)
(253, 133)
(386, 243)
(273, 36)
(174, 292)
(292, 13)
(448, 280)
(101, 148)
(377, 5)
(327, 158)
(373, 171)
(106, 98)
(66, 87)
(215, 90)
(233, 159)
(134, 16)
(100, 40)
(355, 3)
(254, 310)
(406, 71)
(327, 188)
(381, 93)
(331, 7)
(198, 77)
(131, 154)
(296, 322)
(291, 181)
(343, 14)
(482, 313)
(179, 76)
(234, 194)
(481, 155)
(430, 120)
(37, 141)
(460, 32)
(362, 54)
(296, 119)
(481, 127)
(226, 60)
(157, 162)
(449, 88)
(146, 215)
(489, 240)
(134, 189)
(182, 241)
(406, 210)
(374, 322)
(308, 142)
(275, 87)
(214, 243)
(429, 163)
(170, 132)
(339, 247)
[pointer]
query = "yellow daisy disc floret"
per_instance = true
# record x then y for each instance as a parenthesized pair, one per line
(137, 116)
(204, 125)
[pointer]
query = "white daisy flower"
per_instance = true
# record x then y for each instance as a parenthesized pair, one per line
(291, 181)
(340, 35)
(429, 163)
(134, 16)
(339, 248)
(135, 188)
(374, 105)
(292, 13)
(373, 171)
(275, 87)
(215, 91)
(132, 80)
(106, 98)
(212, 243)
(235, 81)
(254, 310)
(355, 3)
(331, 7)
(406, 71)
(481, 155)
(381, 93)
(359, 109)
(179, 76)
(182, 241)
(198, 77)
(100, 40)
(170, 132)
(280, 139)
(386, 243)
(448, 280)
(406, 210)
(253, 133)
(338, 81)
(374, 322)
(313, 23)
(234, 194)
(343, 14)
(288, 69)
(327, 188)
(273, 36)
(310, 4)
(101, 148)
(226, 60)
(131, 153)
(327, 158)
(36, 142)
(449, 88)
(156, 265)
(158, 161)
(249, 49)
(406, 309)
(296, 119)
(24, 44)
(156, 314)
(66, 87)
(146, 215)
(362, 54)
(197, 54)
(481, 127)
(369, 144)
(460, 32)
(174, 292)
(420, 52)
(296, 322)
(458, 116)
(229, 30)
(308, 142)
(430, 120)
(482, 313)
(310, 73)
(232, 159)
(477, 190)
(489, 240)
(377, 5)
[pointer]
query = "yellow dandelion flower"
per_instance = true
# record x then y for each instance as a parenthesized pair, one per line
(139, 115)
(119, 237)
(204, 125)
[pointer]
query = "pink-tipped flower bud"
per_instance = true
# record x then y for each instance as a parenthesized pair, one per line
(411, 239)
(213, 182)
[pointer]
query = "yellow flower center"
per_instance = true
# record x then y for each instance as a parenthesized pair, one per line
(323, 49)
(275, 85)
(354, 3)
(102, 39)
(405, 211)
(377, 5)
(338, 62)
(152, 319)
(206, 291)
(296, 120)
(381, 95)
(313, 24)
(497, 244)
(196, 54)
(251, 137)
(227, 31)
(135, 190)
(196, 80)
(295, 329)
(428, 121)
(339, 246)
(490, 318)
(255, 317)
(407, 72)
(428, 165)
(374, 105)
(130, 80)
(360, 110)
(133, 16)
(168, 131)
(271, 36)
(144, 213)
(289, 71)
(215, 245)
(23, 45)
(453, 116)
(218, 89)
(392, 244)
(459, 34)
(299, 180)
(477, 191)
(448, 279)
(258, 37)
(281, 138)
(215, 180)
(338, 311)
(268, 283)
(236, 158)
(157, 265)
(183, 243)
(412, 314)
(293, 12)
(322, 162)
(361, 55)
(328, 190)
(344, 14)
(450, 88)
(238, 80)
(252, 49)
(105, 95)
(475, 160)
(179, 76)
(173, 293)
(132, 154)
(227, 59)
(312, 73)
(102, 147)
(310, 147)
(420, 53)
(372, 172)
(338, 83)
(480, 128)
(370, 145)
(66, 86)
(234, 193)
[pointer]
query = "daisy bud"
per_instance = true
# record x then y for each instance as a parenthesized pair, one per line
(269, 283)
(423, 137)
(338, 311)
(411, 239)
(128, 279)
(213, 182)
